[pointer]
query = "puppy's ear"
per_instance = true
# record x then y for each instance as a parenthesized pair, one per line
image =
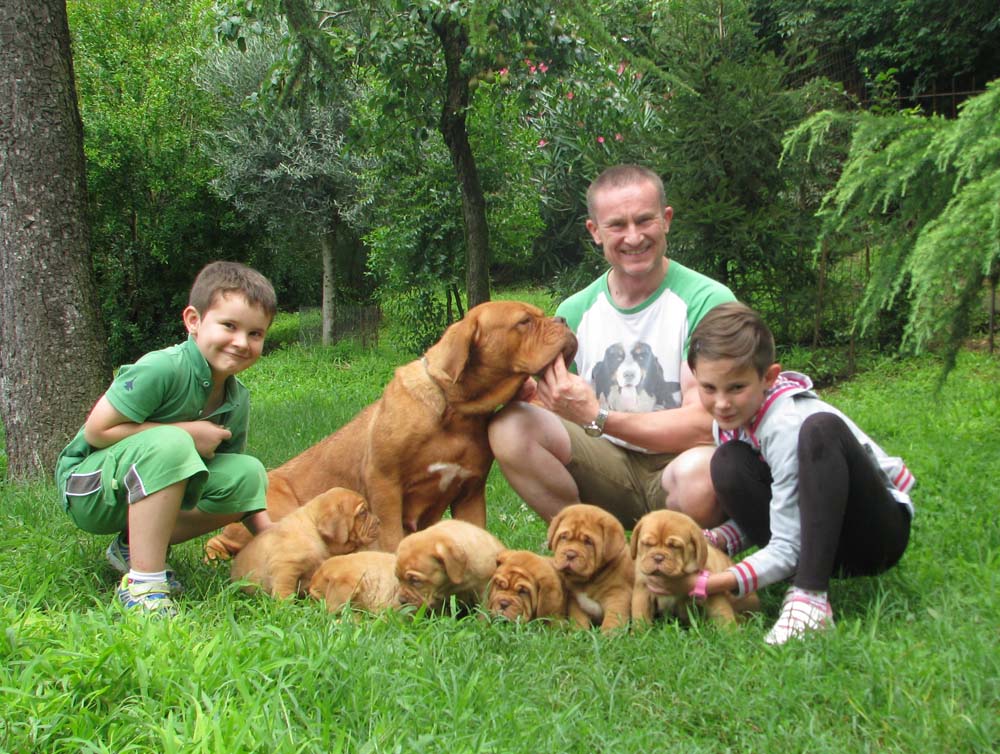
(453, 561)
(448, 358)
(698, 551)
(333, 526)
(550, 596)
(553, 528)
(614, 539)
(634, 541)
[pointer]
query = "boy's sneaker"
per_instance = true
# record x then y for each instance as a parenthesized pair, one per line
(801, 612)
(119, 558)
(151, 597)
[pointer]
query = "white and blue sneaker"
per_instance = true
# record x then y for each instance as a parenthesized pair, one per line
(150, 597)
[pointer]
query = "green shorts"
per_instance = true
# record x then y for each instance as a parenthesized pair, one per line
(624, 482)
(100, 488)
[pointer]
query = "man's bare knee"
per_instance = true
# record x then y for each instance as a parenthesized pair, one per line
(688, 484)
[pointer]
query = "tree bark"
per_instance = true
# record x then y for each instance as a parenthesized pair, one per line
(327, 245)
(454, 41)
(53, 353)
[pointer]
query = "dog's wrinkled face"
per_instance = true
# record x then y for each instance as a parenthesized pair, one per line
(502, 339)
(583, 538)
(668, 544)
(525, 586)
(344, 519)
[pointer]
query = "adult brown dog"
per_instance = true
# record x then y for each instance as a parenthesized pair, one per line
(422, 447)
(447, 559)
(282, 560)
(364, 580)
(526, 586)
(669, 546)
(592, 557)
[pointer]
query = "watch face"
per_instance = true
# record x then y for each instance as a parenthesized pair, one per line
(593, 430)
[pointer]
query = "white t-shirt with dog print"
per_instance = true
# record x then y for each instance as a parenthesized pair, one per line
(633, 357)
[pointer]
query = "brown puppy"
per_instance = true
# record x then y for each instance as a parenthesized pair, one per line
(281, 561)
(526, 586)
(365, 580)
(449, 558)
(667, 547)
(422, 447)
(593, 560)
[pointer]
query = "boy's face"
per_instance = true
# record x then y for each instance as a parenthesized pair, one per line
(730, 393)
(230, 334)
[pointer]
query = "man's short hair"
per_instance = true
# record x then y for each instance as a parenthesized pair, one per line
(624, 175)
(220, 278)
(733, 331)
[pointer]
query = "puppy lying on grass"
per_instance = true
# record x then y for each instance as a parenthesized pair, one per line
(364, 580)
(526, 586)
(281, 561)
(667, 547)
(448, 559)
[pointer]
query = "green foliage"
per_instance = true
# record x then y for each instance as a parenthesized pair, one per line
(154, 220)
(911, 666)
(925, 192)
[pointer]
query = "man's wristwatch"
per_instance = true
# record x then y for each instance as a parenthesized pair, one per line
(596, 427)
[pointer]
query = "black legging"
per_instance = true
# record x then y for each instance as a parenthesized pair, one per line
(851, 524)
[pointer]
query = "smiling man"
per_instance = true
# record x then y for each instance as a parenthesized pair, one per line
(625, 430)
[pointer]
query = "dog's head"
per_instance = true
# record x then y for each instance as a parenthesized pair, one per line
(583, 539)
(343, 519)
(668, 544)
(526, 586)
(484, 358)
(429, 566)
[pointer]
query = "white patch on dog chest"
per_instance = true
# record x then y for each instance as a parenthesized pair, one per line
(449, 472)
(590, 606)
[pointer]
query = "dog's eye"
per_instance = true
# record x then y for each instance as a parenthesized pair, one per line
(525, 322)
(413, 580)
(524, 592)
(587, 540)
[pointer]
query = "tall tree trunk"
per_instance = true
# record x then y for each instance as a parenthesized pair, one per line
(53, 354)
(454, 41)
(327, 245)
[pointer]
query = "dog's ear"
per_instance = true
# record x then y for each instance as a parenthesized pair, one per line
(698, 551)
(453, 561)
(333, 526)
(553, 528)
(614, 538)
(551, 598)
(634, 541)
(448, 358)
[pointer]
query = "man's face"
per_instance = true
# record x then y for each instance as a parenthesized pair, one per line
(631, 226)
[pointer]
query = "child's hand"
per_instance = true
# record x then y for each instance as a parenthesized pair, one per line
(207, 436)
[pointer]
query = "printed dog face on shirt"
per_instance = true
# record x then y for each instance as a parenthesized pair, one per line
(630, 378)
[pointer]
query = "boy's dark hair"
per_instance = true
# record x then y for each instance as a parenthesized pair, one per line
(624, 175)
(219, 278)
(733, 331)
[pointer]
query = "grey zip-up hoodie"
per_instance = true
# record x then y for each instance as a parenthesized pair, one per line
(774, 433)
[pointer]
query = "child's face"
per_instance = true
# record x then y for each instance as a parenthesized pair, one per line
(230, 334)
(730, 393)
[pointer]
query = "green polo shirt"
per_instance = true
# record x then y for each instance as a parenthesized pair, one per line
(166, 387)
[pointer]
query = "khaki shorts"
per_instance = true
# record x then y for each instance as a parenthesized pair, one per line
(624, 482)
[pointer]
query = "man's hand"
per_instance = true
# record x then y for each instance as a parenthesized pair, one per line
(566, 394)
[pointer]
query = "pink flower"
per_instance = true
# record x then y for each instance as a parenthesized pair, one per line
(504, 71)
(542, 67)
(541, 143)
(619, 137)
(569, 95)
(532, 69)
(600, 139)
(621, 67)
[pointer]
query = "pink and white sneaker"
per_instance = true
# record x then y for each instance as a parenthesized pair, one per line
(802, 611)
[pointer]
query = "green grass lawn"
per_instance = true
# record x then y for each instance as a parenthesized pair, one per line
(913, 665)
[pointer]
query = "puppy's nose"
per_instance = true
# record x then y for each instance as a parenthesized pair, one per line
(504, 604)
(571, 555)
(658, 557)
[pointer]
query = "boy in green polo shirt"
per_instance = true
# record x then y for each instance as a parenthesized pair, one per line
(160, 459)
